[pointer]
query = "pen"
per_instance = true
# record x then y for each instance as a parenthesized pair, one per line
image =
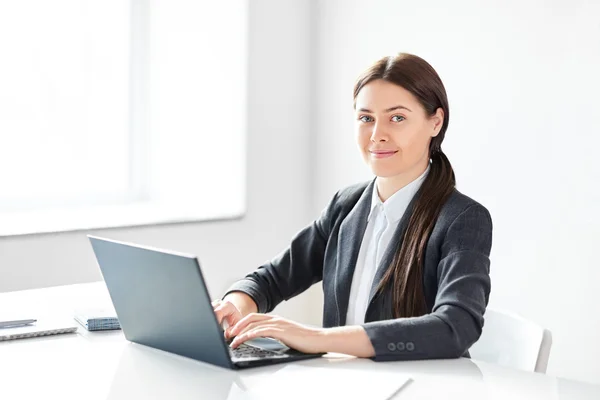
(16, 323)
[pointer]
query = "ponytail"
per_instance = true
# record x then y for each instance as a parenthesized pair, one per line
(405, 274)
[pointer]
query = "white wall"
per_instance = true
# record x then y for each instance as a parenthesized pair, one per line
(523, 83)
(278, 181)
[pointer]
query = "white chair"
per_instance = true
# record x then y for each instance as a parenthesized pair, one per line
(513, 341)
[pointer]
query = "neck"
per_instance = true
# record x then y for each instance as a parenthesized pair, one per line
(387, 186)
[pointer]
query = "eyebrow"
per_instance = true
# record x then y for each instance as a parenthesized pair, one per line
(387, 110)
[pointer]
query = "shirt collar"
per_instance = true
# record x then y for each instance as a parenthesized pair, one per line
(394, 207)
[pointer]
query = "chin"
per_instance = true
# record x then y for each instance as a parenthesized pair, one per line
(384, 172)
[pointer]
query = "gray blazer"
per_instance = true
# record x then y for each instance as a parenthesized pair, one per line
(456, 277)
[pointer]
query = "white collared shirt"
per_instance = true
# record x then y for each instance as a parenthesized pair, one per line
(382, 222)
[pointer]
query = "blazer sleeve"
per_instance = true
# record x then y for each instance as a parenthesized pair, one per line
(456, 320)
(295, 269)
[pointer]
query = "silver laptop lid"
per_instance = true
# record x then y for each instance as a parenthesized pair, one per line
(161, 300)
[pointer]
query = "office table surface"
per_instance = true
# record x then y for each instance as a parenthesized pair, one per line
(104, 365)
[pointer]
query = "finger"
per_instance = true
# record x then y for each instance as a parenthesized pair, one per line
(267, 331)
(232, 319)
(225, 324)
(216, 303)
(229, 321)
(219, 313)
(258, 324)
(241, 324)
(224, 310)
(228, 325)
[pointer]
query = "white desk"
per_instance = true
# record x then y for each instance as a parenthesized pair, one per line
(103, 365)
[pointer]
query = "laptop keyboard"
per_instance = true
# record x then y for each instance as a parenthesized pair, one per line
(245, 351)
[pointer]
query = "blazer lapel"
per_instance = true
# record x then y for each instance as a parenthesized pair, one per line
(350, 238)
(388, 256)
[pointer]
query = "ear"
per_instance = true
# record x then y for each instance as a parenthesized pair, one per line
(437, 121)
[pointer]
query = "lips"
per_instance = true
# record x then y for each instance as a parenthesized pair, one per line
(382, 153)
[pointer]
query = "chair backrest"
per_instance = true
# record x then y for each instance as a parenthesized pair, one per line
(513, 341)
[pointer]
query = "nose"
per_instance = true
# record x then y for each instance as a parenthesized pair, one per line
(378, 135)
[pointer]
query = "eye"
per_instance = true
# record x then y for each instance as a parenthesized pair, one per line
(398, 118)
(365, 118)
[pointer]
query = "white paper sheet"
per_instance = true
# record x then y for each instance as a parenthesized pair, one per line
(331, 382)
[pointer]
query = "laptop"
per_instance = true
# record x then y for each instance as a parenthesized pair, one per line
(162, 301)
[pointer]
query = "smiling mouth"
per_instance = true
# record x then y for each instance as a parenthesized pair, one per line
(383, 153)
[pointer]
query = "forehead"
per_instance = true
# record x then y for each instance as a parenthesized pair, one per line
(380, 95)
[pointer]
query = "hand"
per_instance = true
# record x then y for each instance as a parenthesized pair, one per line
(292, 334)
(227, 314)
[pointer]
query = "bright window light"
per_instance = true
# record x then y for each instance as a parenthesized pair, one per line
(120, 113)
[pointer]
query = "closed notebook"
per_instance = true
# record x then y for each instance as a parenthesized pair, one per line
(98, 320)
(40, 328)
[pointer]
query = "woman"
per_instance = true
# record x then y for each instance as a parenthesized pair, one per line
(404, 259)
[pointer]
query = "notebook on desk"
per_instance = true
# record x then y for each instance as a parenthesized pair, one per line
(40, 328)
(98, 320)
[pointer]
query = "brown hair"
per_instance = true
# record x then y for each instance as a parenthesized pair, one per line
(406, 271)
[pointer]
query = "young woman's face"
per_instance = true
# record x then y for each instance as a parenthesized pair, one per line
(393, 129)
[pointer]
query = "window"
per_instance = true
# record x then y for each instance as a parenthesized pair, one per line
(120, 113)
